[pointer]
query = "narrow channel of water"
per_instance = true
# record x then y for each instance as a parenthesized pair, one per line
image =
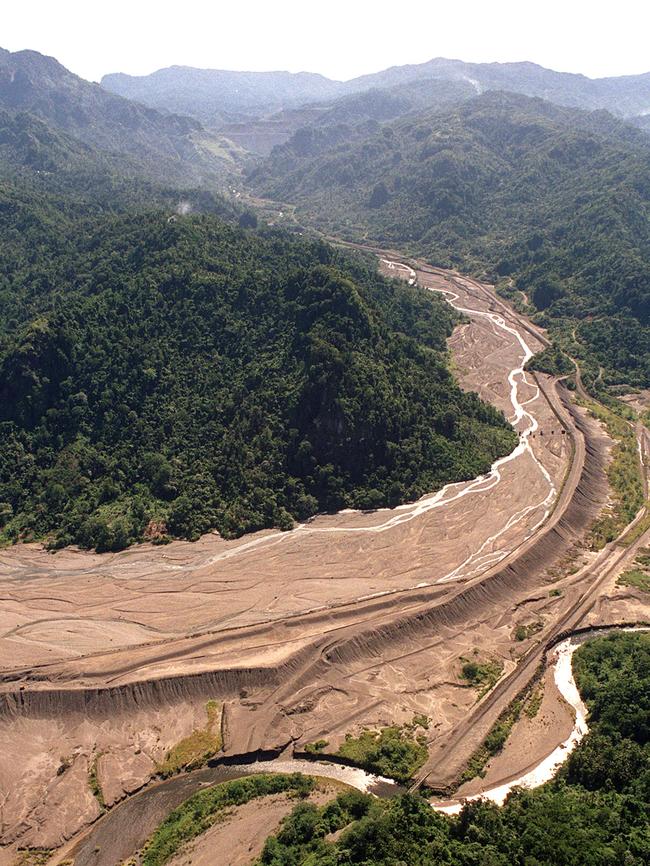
(561, 659)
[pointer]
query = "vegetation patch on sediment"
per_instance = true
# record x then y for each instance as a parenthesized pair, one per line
(482, 675)
(317, 747)
(623, 473)
(94, 783)
(525, 631)
(395, 751)
(197, 748)
(33, 856)
(529, 701)
(639, 578)
(202, 810)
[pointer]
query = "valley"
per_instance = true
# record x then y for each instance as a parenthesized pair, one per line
(324, 445)
(349, 620)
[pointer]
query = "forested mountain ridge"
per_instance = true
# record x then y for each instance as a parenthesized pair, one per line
(163, 146)
(189, 375)
(217, 96)
(625, 95)
(512, 188)
(47, 174)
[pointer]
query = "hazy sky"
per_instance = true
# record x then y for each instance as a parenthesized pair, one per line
(339, 38)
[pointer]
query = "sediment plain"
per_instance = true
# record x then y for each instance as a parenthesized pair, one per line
(354, 619)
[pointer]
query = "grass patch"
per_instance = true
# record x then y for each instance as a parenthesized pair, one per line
(202, 810)
(635, 577)
(201, 745)
(523, 632)
(623, 474)
(639, 576)
(33, 856)
(317, 747)
(483, 675)
(534, 702)
(643, 557)
(396, 751)
(93, 781)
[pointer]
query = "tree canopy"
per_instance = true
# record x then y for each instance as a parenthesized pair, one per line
(171, 375)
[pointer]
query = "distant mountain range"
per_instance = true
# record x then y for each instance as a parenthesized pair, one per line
(216, 96)
(219, 98)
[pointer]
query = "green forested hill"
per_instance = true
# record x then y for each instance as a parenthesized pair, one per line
(194, 375)
(47, 174)
(556, 200)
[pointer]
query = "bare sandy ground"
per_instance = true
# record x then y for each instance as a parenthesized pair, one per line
(354, 619)
(531, 740)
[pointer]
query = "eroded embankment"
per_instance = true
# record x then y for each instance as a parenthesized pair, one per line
(557, 540)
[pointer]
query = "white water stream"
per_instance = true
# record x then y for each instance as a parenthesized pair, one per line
(485, 556)
(547, 768)
(353, 776)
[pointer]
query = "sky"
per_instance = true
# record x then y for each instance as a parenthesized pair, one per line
(338, 38)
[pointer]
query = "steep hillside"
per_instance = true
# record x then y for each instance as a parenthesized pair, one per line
(180, 376)
(164, 146)
(555, 199)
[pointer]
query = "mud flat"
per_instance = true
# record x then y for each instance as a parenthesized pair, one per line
(353, 619)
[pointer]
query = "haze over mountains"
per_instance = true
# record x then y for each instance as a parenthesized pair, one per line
(156, 144)
(217, 97)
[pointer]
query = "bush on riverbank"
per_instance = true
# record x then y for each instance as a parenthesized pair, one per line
(395, 751)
